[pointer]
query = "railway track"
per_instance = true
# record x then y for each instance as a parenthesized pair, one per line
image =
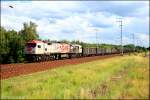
(12, 70)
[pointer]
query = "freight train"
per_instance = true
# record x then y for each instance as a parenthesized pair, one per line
(36, 50)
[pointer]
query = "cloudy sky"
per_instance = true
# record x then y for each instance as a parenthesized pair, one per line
(80, 20)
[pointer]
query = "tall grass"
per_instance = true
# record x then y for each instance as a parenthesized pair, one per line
(84, 81)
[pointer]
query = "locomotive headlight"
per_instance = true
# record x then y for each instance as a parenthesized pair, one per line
(33, 50)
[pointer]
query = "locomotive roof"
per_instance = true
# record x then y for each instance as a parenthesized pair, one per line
(75, 44)
(39, 41)
(35, 41)
(58, 42)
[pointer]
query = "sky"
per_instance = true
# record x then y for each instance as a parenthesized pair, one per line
(81, 20)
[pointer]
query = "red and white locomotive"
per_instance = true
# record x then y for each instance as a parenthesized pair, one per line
(36, 50)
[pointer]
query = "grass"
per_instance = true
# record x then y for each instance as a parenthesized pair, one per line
(118, 77)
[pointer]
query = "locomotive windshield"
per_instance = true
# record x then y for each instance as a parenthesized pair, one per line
(31, 45)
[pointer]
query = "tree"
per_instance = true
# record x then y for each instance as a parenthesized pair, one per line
(11, 46)
(29, 32)
(64, 41)
(16, 45)
(129, 47)
(12, 43)
(4, 49)
(140, 49)
(148, 48)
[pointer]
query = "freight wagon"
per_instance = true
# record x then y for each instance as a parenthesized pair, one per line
(89, 51)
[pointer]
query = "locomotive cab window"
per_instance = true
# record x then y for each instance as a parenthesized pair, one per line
(30, 45)
(39, 46)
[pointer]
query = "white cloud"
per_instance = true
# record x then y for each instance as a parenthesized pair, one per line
(143, 38)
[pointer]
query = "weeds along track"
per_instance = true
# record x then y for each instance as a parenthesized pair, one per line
(11, 70)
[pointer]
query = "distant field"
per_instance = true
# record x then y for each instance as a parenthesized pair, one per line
(118, 77)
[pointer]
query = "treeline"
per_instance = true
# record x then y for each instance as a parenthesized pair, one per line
(12, 43)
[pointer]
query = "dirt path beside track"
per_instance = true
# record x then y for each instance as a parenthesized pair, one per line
(11, 70)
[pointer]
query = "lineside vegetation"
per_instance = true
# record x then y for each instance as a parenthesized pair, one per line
(113, 78)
